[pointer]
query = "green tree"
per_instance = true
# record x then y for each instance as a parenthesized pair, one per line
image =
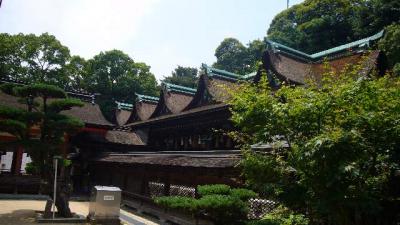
(77, 71)
(184, 76)
(373, 15)
(334, 146)
(390, 44)
(44, 104)
(315, 25)
(231, 54)
(10, 56)
(234, 57)
(32, 58)
(116, 77)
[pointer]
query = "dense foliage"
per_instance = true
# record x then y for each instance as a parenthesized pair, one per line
(32, 58)
(184, 76)
(116, 77)
(342, 160)
(281, 216)
(234, 57)
(43, 59)
(316, 25)
(224, 205)
(44, 104)
(390, 44)
(313, 26)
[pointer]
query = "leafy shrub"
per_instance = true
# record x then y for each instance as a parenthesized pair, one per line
(177, 202)
(31, 168)
(224, 209)
(282, 216)
(219, 202)
(396, 69)
(243, 194)
(215, 189)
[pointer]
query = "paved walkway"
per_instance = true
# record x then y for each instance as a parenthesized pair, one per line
(22, 212)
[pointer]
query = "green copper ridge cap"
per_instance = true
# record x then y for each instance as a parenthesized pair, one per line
(280, 47)
(178, 88)
(210, 71)
(146, 98)
(360, 43)
(124, 106)
(249, 76)
(363, 43)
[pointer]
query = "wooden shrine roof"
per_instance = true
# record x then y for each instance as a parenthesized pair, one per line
(89, 113)
(122, 137)
(188, 113)
(198, 160)
(293, 66)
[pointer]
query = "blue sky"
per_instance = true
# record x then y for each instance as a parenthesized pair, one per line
(161, 33)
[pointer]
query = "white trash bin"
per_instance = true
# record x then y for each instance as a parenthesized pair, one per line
(105, 204)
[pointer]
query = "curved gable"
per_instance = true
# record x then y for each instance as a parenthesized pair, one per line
(173, 99)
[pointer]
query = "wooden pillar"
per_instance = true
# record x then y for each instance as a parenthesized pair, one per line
(185, 143)
(229, 143)
(195, 142)
(217, 138)
(167, 186)
(17, 161)
(144, 189)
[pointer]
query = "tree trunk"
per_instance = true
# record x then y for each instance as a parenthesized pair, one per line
(63, 193)
(62, 200)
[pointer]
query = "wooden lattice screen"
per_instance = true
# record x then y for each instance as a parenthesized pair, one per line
(181, 190)
(156, 189)
(260, 207)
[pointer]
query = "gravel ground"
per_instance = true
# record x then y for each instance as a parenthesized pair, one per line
(22, 212)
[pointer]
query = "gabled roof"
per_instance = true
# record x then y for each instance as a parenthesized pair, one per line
(173, 99)
(212, 85)
(293, 66)
(89, 113)
(139, 111)
(360, 44)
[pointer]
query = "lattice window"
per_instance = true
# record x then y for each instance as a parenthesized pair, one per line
(156, 189)
(181, 190)
(259, 208)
